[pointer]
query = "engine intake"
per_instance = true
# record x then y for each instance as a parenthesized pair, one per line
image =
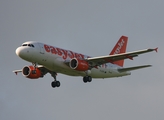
(80, 65)
(31, 72)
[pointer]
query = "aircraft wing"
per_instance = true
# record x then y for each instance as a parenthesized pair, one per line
(96, 61)
(17, 71)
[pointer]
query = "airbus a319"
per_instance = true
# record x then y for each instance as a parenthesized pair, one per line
(49, 59)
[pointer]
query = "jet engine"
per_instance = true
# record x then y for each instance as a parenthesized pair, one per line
(31, 72)
(80, 65)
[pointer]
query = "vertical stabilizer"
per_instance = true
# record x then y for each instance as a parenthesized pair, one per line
(119, 48)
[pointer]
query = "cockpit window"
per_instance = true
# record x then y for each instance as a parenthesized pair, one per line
(24, 45)
(30, 45)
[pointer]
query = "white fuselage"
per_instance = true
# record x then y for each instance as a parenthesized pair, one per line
(55, 59)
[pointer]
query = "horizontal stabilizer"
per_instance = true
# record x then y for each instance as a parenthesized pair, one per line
(133, 68)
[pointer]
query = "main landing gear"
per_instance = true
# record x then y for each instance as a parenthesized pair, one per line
(87, 79)
(55, 83)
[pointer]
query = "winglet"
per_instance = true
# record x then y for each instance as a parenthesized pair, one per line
(156, 49)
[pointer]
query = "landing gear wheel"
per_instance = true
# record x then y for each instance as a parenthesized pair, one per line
(55, 84)
(87, 79)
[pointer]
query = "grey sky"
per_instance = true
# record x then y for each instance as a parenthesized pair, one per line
(91, 27)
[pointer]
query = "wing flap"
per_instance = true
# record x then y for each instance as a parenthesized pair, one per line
(133, 68)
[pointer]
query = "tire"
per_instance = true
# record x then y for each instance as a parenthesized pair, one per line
(53, 84)
(89, 78)
(85, 79)
(57, 84)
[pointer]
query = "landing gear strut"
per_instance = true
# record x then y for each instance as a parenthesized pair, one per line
(87, 79)
(55, 83)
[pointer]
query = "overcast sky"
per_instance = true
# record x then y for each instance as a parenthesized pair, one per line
(91, 27)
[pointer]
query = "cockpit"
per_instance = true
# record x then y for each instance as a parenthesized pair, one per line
(30, 45)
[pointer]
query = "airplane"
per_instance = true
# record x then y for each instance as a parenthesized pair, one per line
(49, 59)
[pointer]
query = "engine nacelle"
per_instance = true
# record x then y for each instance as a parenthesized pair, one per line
(80, 65)
(31, 72)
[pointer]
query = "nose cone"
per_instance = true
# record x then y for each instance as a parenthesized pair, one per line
(22, 52)
(18, 52)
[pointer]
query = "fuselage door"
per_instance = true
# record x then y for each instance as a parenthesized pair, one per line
(41, 48)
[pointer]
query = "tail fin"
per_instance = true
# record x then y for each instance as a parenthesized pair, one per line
(120, 47)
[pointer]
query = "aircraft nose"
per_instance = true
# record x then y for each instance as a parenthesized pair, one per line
(24, 53)
(19, 51)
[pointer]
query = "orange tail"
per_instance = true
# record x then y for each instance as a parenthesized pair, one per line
(119, 48)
